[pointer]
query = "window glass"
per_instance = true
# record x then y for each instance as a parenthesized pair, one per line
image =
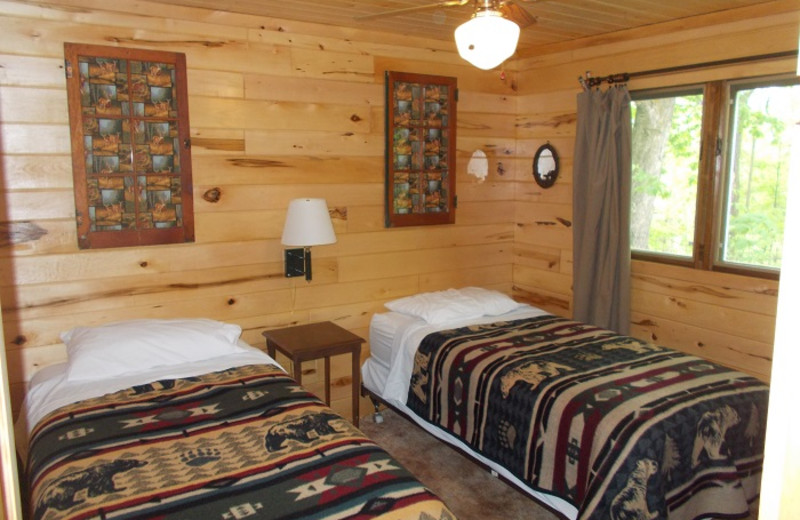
(666, 135)
(759, 145)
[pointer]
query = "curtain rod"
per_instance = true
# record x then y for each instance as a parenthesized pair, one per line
(623, 77)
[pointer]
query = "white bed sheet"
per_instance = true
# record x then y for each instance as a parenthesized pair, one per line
(49, 388)
(387, 373)
(382, 333)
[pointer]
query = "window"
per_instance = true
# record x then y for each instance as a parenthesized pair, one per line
(665, 153)
(130, 146)
(721, 210)
(757, 172)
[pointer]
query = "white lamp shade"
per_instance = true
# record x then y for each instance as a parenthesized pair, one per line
(308, 223)
(487, 39)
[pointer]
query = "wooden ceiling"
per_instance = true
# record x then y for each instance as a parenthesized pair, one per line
(557, 21)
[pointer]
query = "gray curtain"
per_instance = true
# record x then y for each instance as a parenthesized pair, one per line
(601, 209)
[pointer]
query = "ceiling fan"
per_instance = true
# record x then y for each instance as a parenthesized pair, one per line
(489, 37)
(508, 8)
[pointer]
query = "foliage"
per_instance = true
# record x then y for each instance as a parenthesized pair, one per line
(758, 171)
(672, 181)
(759, 175)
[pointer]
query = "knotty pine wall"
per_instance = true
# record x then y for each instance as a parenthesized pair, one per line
(278, 110)
(281, 110)
(724, 317)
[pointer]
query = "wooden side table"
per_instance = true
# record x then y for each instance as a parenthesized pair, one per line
(313, 341)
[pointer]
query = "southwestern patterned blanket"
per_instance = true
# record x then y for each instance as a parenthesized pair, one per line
(243, 442)
(620, 428)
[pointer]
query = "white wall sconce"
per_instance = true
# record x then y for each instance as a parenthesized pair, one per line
(478, 165)
(308, 223)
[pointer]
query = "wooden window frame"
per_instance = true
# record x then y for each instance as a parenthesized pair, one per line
(143, 203)
(711, 184)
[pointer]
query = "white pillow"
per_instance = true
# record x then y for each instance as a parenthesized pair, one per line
(131, 346)
(491, 302)
(437, 307)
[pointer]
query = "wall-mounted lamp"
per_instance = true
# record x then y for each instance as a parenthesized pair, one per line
(308, 223)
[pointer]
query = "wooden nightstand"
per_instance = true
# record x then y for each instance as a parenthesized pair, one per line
(314, 341)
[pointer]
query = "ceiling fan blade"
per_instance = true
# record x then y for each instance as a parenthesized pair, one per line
(393, 12)
(517, 14)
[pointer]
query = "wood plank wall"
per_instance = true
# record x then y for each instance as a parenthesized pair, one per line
(278, 110)
(281, 110)
(727, 318)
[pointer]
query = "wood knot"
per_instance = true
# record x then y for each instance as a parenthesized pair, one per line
(355, 118)
(20, 232)
(143, 264)
(247, 162)
(338, 213)
(231, 301)
(20, 340)
(212, 195)
(677, 302)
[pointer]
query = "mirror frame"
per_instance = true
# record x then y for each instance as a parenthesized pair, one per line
(551, 179)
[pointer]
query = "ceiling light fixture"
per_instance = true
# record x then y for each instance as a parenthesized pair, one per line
(488, 38)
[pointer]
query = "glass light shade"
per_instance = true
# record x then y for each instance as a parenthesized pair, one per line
(487, 39)
(308, 223)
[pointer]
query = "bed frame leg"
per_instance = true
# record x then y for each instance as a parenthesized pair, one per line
(377, 416)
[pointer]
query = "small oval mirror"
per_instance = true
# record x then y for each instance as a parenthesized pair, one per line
(545, 166)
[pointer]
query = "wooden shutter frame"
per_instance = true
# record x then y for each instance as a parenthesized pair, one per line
(88, 239)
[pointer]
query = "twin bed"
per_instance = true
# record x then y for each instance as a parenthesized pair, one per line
(590, 423)
(180, 419)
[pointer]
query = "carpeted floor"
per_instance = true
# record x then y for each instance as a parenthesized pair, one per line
(470, 491)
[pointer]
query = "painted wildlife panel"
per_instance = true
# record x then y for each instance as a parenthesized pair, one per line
(420, 143)
(130, 153)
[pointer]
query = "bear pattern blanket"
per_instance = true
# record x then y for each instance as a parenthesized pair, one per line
(620, 428)
(238, 443)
